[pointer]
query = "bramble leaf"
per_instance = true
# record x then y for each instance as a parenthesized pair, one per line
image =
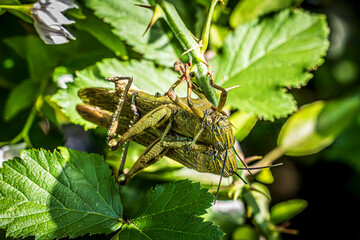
(171, 211)
(267, 55)
(145, 75)
(130, 22)
(57, 194)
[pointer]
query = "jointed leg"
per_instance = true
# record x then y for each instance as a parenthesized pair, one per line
(154, 119)
(153, 153)
(185, 70)
(115, 121)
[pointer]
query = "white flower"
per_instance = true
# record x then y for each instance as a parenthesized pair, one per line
(48, 18)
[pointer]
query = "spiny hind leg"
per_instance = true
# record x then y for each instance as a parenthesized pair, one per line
(153, 153)
(153, 119)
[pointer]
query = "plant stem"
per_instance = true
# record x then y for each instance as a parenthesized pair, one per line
(269, 158)
(187, 41)
(206, 27)
(261, 220)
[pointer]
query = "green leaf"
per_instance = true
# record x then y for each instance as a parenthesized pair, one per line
(54, 195)
(285, 211)
(39, 56)
(243, 123)
(145, 76)
(266, 56)
(298, 136)
(317, 125)
(102, 32)
(171, 211)
(20, 98)
(130, 22)
(247, 10)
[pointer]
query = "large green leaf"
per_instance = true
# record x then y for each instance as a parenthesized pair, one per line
(145, 76)
(53, 195)
(171, 211)
(267, 55)
(130, 22)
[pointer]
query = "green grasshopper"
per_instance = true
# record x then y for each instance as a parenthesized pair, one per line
(100, 105)
(156, 110)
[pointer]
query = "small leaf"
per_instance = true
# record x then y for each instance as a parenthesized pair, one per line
(316, 125)
(20, 98)
(250, 9)
(129, 22)
(285, 211)
(171, 211)
(268, 55)
(54, 195)
(144, 73)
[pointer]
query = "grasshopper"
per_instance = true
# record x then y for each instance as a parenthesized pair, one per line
(99, 106)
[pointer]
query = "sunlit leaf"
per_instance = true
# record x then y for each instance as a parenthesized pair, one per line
(171, 211)
(268, 55)
(145, 75)
(53, 195)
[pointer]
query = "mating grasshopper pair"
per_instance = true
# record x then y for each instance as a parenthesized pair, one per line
(190, 131)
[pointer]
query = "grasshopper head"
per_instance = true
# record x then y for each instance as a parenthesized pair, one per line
(223, 136)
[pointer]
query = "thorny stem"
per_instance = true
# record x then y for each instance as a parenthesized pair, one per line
(206, 27)
(187, 41)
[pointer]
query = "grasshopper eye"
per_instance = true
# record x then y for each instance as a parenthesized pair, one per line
(219, 146)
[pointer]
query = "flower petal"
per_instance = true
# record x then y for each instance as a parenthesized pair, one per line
(51, 17)
(53, 34)
(63, 5)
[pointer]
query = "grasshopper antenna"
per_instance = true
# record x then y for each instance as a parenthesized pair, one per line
(221, 176)
(243, 163)
(255, 168)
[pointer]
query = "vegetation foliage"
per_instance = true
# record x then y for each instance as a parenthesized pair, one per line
(267, 47)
